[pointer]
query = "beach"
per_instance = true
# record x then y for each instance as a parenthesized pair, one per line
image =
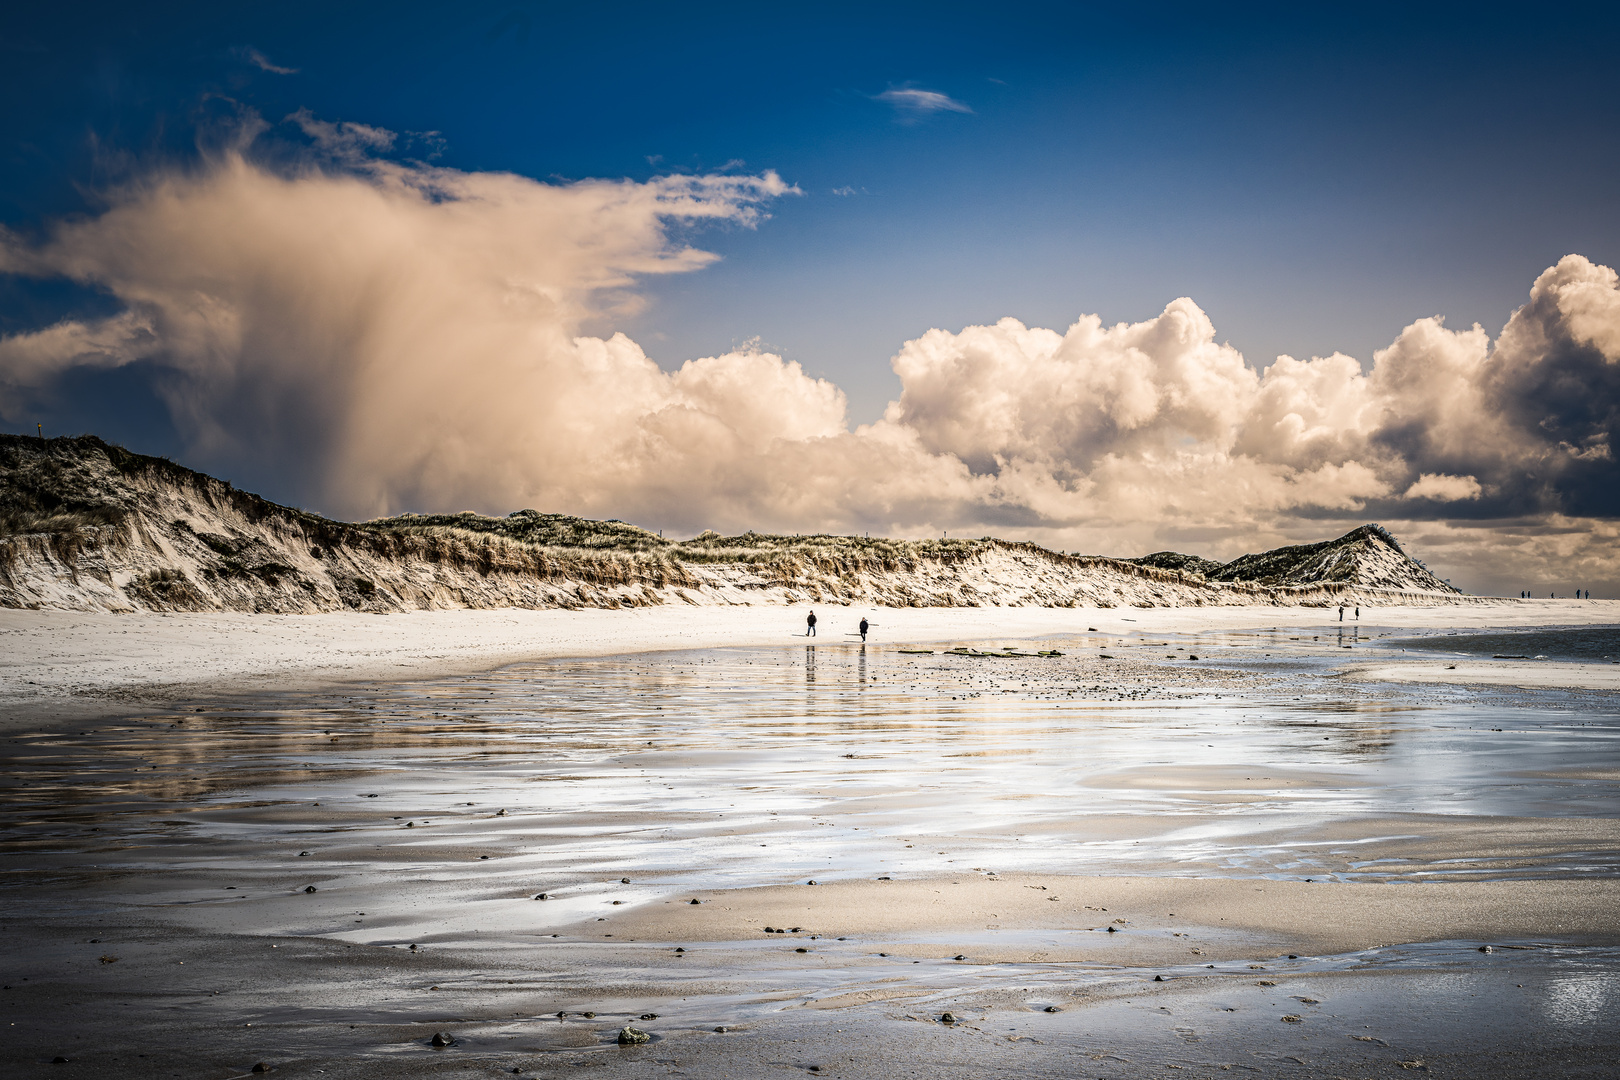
(1202, 840)
(79, 664)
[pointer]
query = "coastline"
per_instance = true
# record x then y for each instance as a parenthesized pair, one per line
(62, 667)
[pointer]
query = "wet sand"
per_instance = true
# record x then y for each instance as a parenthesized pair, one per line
(1218, 814)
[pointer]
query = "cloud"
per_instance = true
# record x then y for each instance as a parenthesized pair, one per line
(404, 336)
(1443, 488)
(262, 62)
(912, 102)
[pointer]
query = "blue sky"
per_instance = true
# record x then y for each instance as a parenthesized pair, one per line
(1315, 178)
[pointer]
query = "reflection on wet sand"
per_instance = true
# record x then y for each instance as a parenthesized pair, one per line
(431, 814)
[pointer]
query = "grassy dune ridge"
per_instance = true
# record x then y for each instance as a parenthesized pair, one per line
(86, 525)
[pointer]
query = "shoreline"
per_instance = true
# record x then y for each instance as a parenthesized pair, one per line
(61, 667)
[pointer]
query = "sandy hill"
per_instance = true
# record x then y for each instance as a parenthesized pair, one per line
(1365, 556)
(88, 526)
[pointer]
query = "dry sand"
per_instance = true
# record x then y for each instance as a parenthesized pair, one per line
(1157, 920)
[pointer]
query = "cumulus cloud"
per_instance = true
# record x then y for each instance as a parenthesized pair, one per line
(398, 335)
(912, 102)
(403, 336)
(1444, 488)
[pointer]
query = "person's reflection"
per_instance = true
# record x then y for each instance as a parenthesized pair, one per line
(809, 665)
(860, 668)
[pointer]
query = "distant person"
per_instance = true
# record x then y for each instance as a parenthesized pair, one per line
(810, 625)
(1341, 613)
(864, 627)
(1358, 612)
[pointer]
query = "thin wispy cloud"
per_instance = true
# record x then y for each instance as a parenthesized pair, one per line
(263, 62)
(911, 102)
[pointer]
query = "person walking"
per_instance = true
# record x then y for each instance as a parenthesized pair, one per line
(1341, 613)
(810, 625)
(864, 627)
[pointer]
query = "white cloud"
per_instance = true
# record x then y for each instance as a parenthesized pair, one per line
(402, 336)
(1442, 488)
(913, 102)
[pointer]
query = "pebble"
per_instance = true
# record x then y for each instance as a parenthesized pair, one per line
(810, 882)
(309, 888)
(624, 881)
(413, 947)
(1293, 1019)
(542, 896)
(1111, 930)
(301, 854)
(1053, 1008)
(947, 1018)
(695, 901)
(649, 1016)
(1158, 978)
(770, 930)
(1486, 948)
(678, 949)
(262, 1067)
(721, 1030)
(958, 956)
(483, 856)
(59, 1061)
(629, 1036)
(588, 1015)
(801, 950)
(441, 1038)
